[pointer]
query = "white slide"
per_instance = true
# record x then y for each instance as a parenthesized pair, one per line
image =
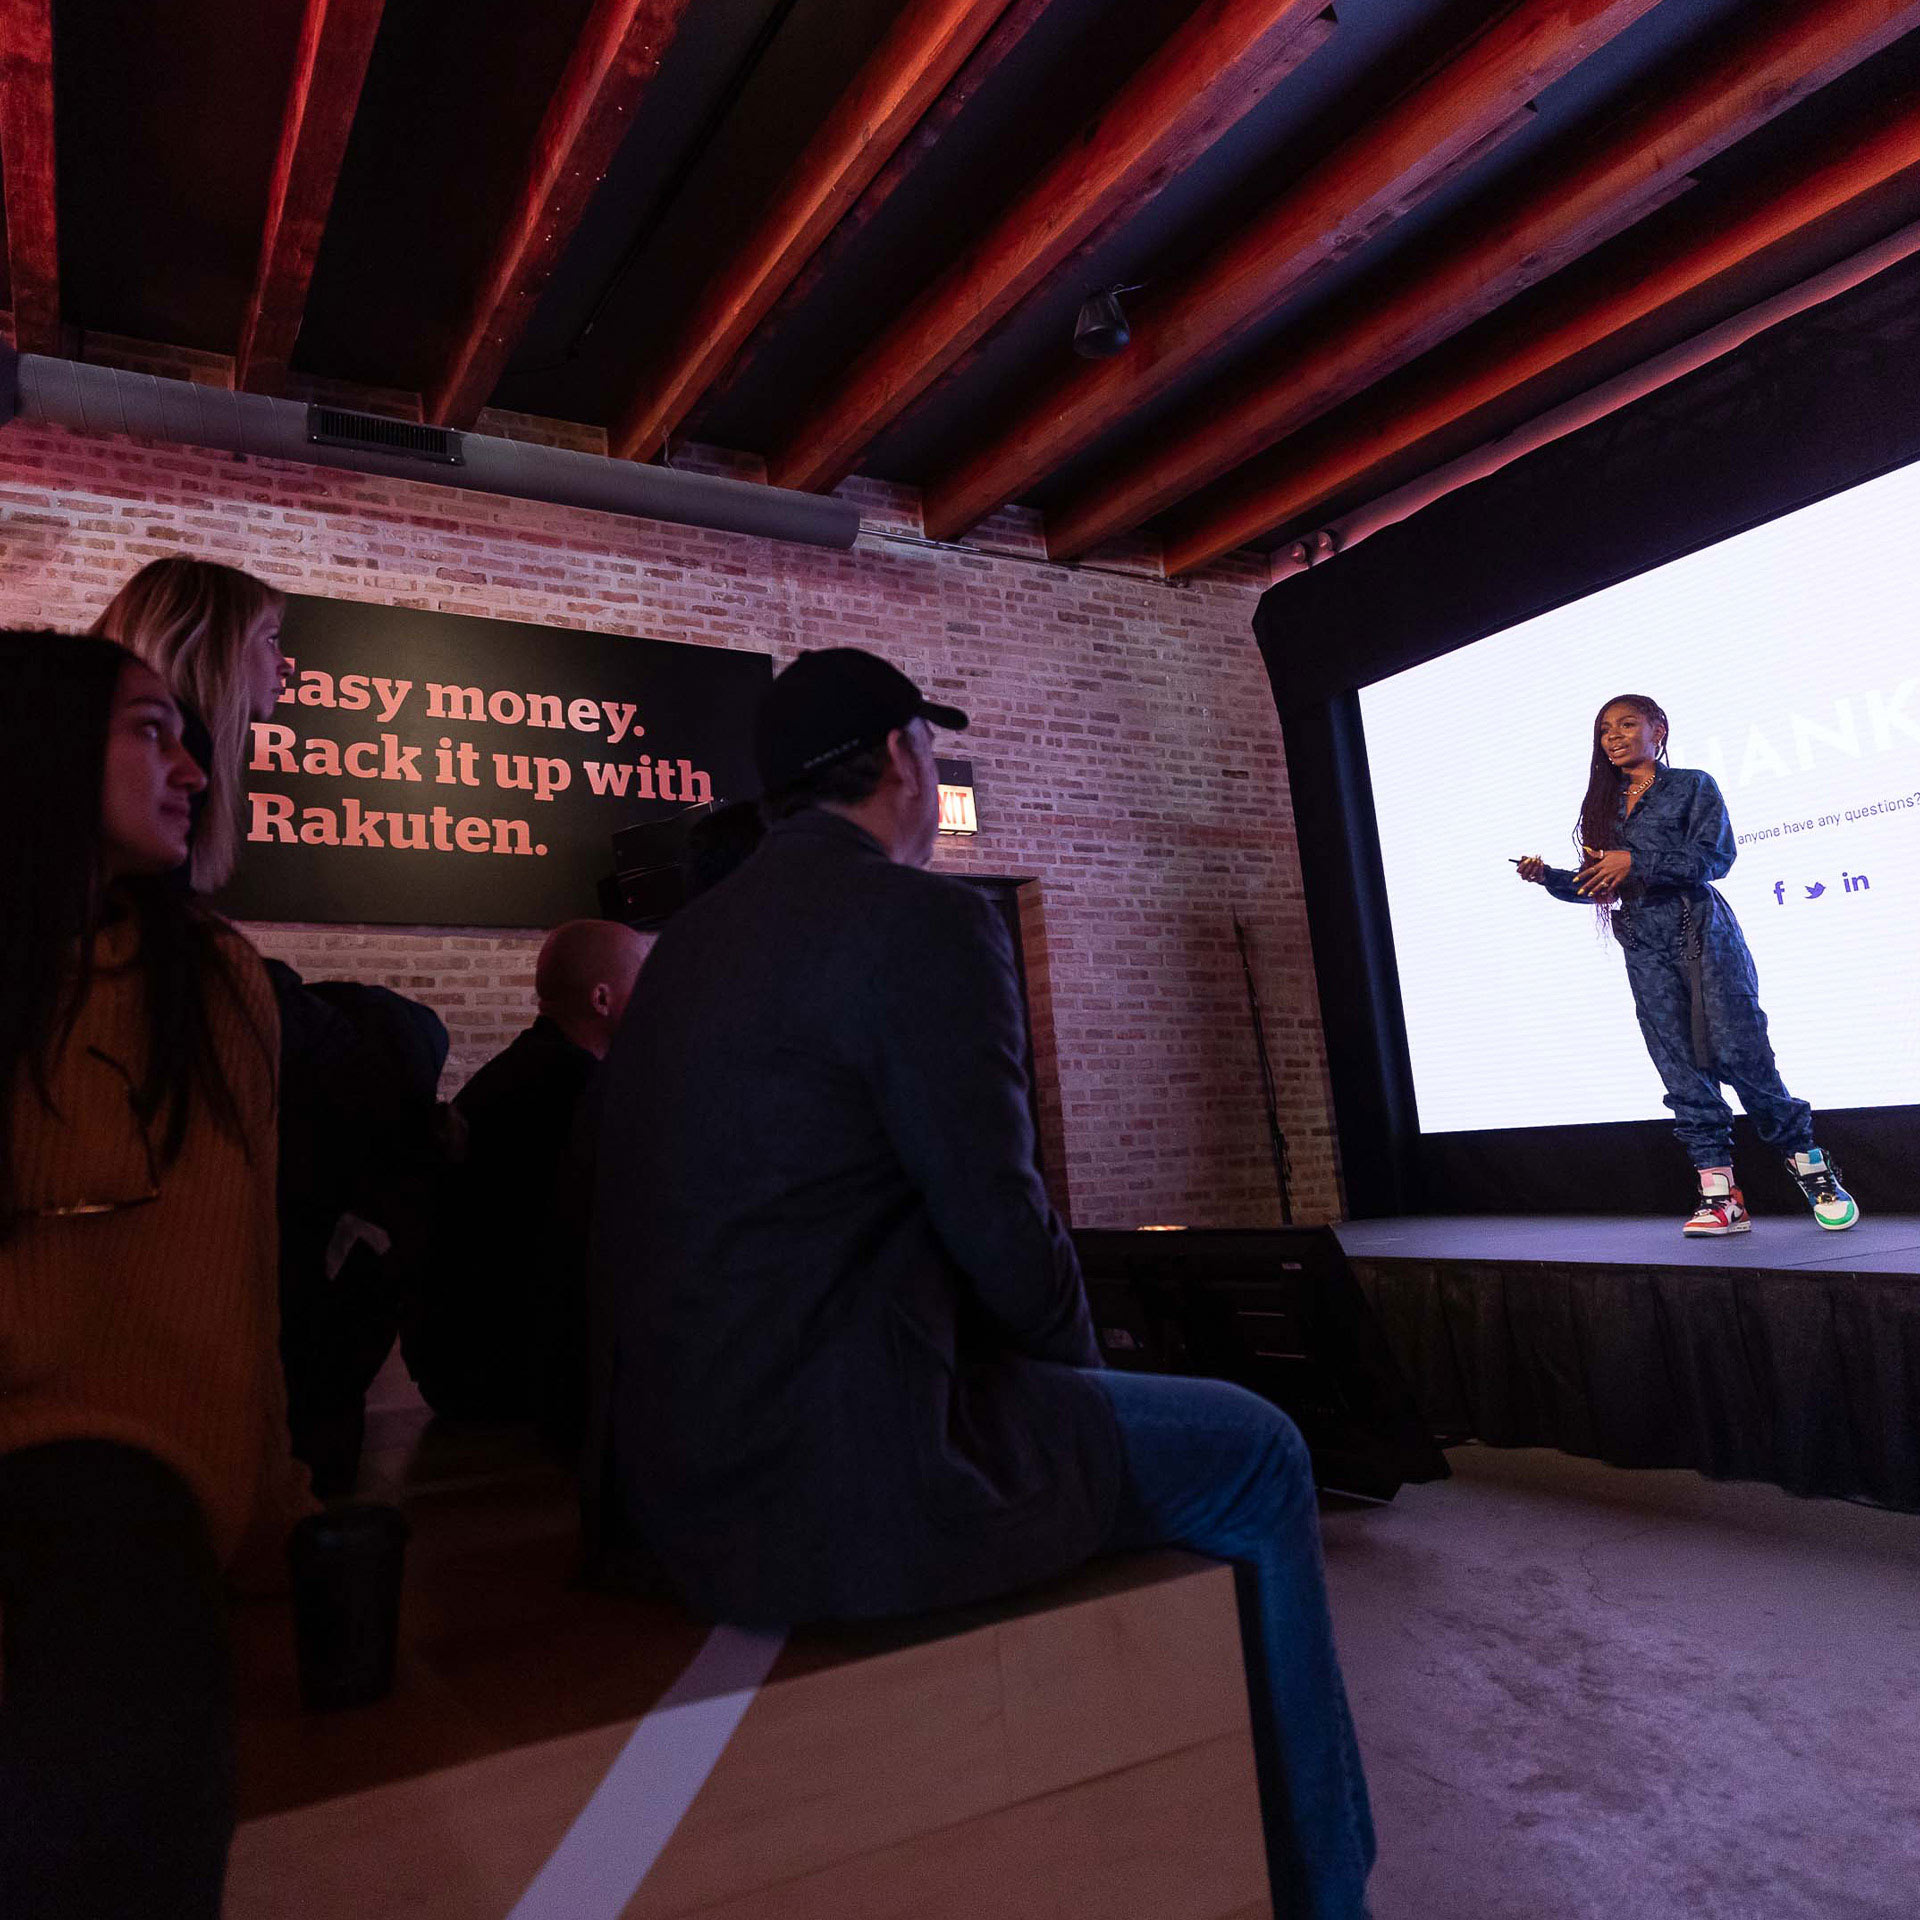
(1788, 661)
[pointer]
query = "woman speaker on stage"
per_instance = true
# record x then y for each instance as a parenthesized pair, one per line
(1652, 837)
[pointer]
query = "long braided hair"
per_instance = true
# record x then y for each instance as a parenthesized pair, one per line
(1598, 826)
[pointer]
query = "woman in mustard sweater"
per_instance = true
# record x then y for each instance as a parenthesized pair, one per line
(143, 1442)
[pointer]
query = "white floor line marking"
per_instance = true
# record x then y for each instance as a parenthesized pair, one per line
(610, 1848)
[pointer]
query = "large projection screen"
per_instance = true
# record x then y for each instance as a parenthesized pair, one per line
(1788, 660)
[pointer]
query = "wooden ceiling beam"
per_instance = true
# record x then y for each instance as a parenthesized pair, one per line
(1447, 118)
(1522, 117)
(1213, 69)
(907, 72)
(1602, 184)
(1281, 487)
(336, 43)
(1020, 18)
(614, 62)
(27, 172)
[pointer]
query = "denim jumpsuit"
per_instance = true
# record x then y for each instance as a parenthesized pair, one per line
(1692, 976)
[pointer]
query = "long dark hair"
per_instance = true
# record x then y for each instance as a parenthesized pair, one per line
(56, 700)
(1598, 826)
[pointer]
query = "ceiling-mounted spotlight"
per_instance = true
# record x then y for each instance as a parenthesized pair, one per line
(1101, 331)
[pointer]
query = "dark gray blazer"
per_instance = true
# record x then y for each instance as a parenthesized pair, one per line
(838, 1325)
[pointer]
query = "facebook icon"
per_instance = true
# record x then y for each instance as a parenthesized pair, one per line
(1779, 893)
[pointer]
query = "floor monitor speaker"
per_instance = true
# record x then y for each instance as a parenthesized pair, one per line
(1275, 1310)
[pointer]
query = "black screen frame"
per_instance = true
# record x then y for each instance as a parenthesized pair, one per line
(1813, 407)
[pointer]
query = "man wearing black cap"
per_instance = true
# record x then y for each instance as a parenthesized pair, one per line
(842, 729)
(843, 1361)
(840, 1322)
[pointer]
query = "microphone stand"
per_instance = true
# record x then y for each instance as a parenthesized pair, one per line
(1276, 1139)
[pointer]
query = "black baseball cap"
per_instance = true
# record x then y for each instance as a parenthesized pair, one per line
(830, 704)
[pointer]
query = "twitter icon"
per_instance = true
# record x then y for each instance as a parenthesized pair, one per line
(1816, 890)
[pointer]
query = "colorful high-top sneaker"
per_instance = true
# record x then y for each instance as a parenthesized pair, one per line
(1819, 1179)
(1722, 1209)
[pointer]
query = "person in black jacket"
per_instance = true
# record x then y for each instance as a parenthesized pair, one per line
(362, 1152)
(843, 1365)
(498, 1331)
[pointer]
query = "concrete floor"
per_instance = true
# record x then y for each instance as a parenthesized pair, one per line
(1638, 1695)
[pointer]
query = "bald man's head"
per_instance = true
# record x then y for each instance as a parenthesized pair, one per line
(584, 978)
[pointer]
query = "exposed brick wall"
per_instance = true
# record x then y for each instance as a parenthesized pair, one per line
(1124, 745)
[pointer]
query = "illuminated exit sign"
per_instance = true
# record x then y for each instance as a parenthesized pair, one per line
(957, 814)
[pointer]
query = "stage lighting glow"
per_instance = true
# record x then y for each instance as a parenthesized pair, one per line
(1788, 660)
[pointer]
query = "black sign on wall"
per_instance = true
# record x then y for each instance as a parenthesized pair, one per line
(441, 769)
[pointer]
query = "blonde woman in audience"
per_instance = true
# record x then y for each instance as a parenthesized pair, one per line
(143, 1443)
(212, 633)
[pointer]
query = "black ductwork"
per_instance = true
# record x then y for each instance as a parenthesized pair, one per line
(67, 393)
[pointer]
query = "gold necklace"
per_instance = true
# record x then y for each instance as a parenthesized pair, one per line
(1635, 791)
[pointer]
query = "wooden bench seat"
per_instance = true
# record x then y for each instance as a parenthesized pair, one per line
(1076, 1752)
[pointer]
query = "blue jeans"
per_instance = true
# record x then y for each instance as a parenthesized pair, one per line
(1215, 1468)
(1742, 1053)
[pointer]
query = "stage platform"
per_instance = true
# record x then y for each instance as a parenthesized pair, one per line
(1786, 1354)
(1882, 1243)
